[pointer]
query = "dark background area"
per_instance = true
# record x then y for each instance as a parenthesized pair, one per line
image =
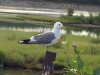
(94, 2)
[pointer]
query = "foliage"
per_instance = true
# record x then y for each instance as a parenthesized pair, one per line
(69, 19)
(70, 11)
(91, 21)
(93, 18)
(96, 71)
(97, 19)
(77, 64)
(2, 59)
(39, 18)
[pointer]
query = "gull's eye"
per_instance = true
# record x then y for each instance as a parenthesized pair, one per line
(59, 24)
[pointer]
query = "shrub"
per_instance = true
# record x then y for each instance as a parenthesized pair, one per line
(97, 19)
(77, 64)
(91, 18)
(13, 59)
(70, 11)
(2, 57)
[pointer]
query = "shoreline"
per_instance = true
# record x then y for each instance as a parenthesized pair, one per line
(48, 5)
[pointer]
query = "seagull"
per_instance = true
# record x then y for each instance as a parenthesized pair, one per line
(46, 38)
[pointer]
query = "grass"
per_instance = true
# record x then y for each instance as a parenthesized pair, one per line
(18, 24)
(13, 54)
(32, 17)
(40, 18)
(95, 40)
(64, 19)
(14, 51)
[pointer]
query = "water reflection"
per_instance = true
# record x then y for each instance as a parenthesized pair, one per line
(32, 29)
(44, 29)
(84, 33)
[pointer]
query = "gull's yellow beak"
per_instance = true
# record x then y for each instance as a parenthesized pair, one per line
(63, 28)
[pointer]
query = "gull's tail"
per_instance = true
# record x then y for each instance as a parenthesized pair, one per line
(27, 41)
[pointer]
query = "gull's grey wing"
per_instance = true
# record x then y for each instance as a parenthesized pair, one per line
(45, 38)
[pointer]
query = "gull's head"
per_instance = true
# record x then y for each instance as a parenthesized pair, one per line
(58, 25)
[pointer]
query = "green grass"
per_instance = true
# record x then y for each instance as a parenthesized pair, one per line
(40, 18)
(31, 17)
(13, 54)
(63, 18)
(95, 40)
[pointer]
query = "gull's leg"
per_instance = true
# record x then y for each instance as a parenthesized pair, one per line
(48, 48)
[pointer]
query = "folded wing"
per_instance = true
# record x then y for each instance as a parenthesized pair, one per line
(44, 38)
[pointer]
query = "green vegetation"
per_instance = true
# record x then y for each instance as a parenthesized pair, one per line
(77, 66)
(95, 40)
(13, 54)
(31, 17)
(70, 11)
(66, 19)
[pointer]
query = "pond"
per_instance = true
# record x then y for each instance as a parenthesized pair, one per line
(26, 27)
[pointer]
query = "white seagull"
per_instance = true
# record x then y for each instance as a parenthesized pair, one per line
(47, 38)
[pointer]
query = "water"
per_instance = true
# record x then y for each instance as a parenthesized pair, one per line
(41, 29)
(39, 11)
(84, 33)
(31, 29)
(27, 27)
